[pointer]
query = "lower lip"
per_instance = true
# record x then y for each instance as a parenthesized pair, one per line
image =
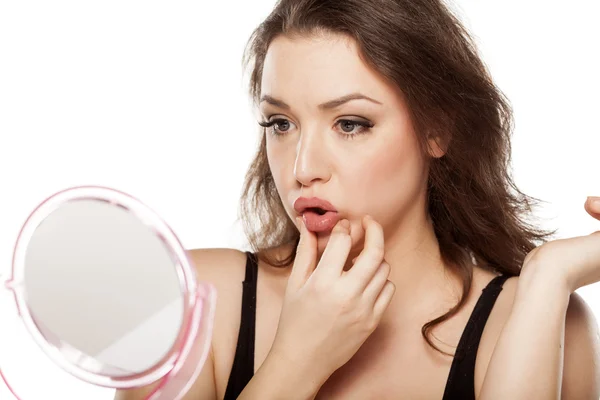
(320, 223)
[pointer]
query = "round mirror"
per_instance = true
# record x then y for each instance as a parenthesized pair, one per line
(104, 287)
(97, 264)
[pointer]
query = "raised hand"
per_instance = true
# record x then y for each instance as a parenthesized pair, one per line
(572, 262)
(327, 312)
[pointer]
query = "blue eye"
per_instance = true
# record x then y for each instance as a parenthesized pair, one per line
(281, 125)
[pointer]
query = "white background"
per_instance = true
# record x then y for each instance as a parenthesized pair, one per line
(148, 97)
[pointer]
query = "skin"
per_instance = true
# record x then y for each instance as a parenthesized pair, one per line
(381, 173)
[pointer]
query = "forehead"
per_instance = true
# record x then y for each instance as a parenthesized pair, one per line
(315, 69)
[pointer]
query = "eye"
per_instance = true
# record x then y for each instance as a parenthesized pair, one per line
(349, 125)
(280, 125)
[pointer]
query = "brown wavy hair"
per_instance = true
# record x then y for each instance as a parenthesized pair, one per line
(422, 47)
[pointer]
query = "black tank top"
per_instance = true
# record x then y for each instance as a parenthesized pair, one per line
(460, 384)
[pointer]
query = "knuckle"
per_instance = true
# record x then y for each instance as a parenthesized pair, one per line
(340, 227)
(378, 227)
(385, 268)
(371, 321)
(337, 230)
(343, 296)
(391, 288)
(360, 315)
(376, 253)
(340, 233)
(371, 324)
(318, 286)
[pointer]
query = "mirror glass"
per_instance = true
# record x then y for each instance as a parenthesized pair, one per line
(103, 288)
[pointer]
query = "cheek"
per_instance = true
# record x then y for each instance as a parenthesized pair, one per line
(390, 178)
(281, 165)
(275, 158)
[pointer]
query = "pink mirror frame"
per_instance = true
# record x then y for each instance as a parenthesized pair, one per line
(183, 363)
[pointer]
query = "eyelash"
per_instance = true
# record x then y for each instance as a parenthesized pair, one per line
(365, 127)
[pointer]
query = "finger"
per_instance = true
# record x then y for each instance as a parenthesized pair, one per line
(376, 284)
(371, 257)
(384, 299)
(306, 256)
(336, 253)
(592, 206)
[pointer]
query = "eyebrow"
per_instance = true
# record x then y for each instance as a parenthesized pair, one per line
(324, 106)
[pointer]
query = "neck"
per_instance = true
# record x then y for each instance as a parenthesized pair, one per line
(424, 286)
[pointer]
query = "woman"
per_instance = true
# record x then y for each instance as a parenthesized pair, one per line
(390, 235)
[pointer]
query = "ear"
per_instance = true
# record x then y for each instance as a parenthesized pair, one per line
(438, 146)
(440, 134)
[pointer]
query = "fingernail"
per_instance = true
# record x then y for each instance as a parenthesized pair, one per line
(345, 223)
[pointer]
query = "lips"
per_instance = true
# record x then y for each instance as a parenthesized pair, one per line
(319, 215)
(304, 203)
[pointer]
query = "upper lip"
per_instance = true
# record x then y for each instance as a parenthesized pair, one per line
(303, 203)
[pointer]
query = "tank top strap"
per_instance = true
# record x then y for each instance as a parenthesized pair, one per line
(243, 363)
(461, 379)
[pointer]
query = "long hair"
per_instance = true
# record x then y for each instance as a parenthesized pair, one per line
(421, 46)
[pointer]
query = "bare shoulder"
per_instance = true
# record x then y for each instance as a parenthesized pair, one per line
(582, 346)
(220, 266)
(225, 269)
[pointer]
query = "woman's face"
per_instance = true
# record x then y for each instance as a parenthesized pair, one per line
(324, 152)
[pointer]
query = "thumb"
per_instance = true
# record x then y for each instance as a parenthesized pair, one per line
(592, 206)
(306, 256)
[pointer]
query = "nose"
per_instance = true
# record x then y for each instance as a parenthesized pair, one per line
(312, 163)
